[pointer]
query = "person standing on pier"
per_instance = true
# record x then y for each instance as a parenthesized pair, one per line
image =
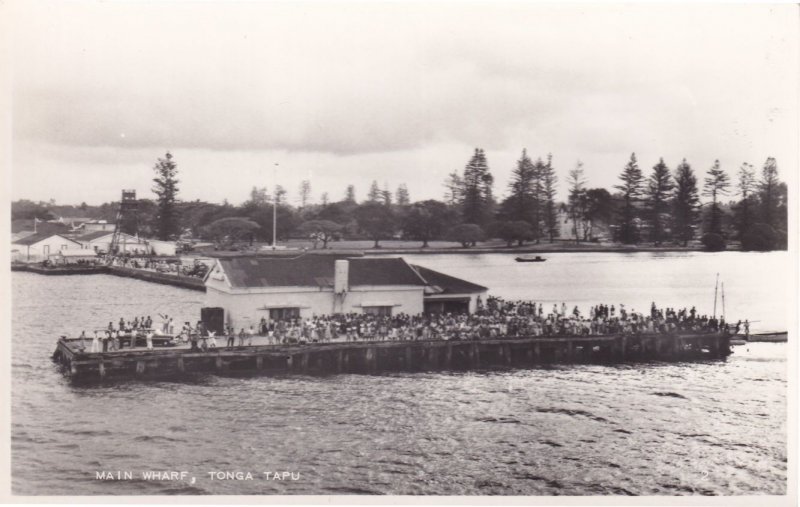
(164, 323)
(241, 337)
(231, 337)
(83, 340)
(149, 338)
(95, 344)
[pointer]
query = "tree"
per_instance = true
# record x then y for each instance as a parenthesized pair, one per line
(658, 191)
(305, 193)
(226, 231)
(320, 230)
(516, 230)
(454, 193)
(427, 220)
(768, 188)
(350, 194)
(466, 234)
(744, 209)
(713, 242)
(166, 190)
(631, 188)
(402, 196)
(576, 202)
(374, 194)
(599, 208)
(716, 184)
(259, 195)
(521, 200)
(685, 202)
(376, 221)
(549, 180)
(280, 194)
(386, 195)
(477, 197)
(324, 198)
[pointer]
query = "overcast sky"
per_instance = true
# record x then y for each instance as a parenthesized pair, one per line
(343, 93)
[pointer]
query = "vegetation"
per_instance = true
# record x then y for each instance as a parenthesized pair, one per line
(663, 208)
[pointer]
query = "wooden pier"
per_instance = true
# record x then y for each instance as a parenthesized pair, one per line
(183, 281)
(385, 356)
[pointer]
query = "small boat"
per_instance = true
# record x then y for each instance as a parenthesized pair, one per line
(529, 259)
(780, 336)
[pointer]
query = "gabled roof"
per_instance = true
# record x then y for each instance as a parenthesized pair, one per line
(39, 236)
(315, 270)
(91, 236)
(447, 284)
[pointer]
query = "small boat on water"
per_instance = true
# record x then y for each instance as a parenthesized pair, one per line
(740, 339)
(530, 259)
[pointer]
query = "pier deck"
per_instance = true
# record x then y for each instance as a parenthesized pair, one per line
(382, 356)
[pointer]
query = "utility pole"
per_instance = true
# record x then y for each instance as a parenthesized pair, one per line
(274, 205)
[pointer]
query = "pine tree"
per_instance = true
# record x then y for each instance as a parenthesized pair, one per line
(305, 193)
(324, 198)
(386, 195)
(549, 181)
(350, 194)
(374, 194)
(402, 196)
(454, 193)
(576, 202)
(166, 189)
(716, 185)
(659, 187)
(768, 190)
(631, 189)
(685, 202)
(744, 209)
(520, 203)
(477, 198)
(280, 194)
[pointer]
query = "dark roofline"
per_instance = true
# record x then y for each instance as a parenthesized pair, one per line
(473, 287)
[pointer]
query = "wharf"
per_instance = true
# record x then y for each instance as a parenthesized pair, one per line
(186, 282)
(373, 357)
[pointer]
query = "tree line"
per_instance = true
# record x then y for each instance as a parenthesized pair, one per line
(661, 208)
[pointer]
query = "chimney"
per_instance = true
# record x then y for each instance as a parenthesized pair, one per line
(341, 276)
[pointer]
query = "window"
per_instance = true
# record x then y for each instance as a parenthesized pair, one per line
(382, 311)
(284, 313)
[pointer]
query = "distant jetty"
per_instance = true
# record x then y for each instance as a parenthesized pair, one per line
(375, 357)
(185, 282)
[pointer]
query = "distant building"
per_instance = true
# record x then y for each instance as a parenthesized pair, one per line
(245, 289)
(158, 247)
(40, 246)
(100, 242)
(96, 225)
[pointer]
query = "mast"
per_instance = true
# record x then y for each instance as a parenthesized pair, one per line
(716, 285)
(723, 300)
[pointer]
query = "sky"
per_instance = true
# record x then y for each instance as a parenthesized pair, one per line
(250, 94)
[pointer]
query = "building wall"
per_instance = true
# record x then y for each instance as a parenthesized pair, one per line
(39, 252)
(162, 247)
(473, 299)
(126, 244)
(247, 306)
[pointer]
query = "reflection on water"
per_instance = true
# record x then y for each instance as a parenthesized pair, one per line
(647, 429)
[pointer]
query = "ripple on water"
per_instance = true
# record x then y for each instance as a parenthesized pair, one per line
(582, 430)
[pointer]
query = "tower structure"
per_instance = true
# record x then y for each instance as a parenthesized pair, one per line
(127, 219)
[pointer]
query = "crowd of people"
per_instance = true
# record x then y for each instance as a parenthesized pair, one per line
(497, 318)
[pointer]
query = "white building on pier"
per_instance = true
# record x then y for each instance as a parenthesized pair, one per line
(243, 290)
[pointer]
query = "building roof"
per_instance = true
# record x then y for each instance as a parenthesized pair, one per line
(91, 236)
(447, 284)
(315, 270)
(39, 236)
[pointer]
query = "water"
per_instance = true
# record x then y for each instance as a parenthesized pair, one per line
(645, 429)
